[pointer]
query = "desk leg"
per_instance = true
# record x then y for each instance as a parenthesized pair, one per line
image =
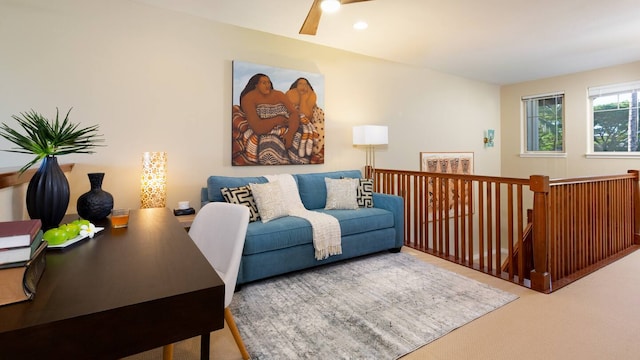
(205, 339)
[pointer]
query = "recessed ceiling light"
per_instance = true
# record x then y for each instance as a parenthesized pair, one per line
(330, 5)
(360, 25)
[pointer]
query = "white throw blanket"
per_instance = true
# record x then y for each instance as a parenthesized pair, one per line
(326, 228)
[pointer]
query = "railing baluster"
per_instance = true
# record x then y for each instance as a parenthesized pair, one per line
(463, 220)
(498, 232)
(456, 219)
(470, 227)
(489, 230)
(520, 227)
(481, 223)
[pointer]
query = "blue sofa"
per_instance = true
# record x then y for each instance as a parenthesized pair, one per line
(286, 244)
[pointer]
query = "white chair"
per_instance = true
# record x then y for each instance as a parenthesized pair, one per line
(219, 230)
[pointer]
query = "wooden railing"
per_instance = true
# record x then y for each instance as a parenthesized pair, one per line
(480, 222)
(588, 222)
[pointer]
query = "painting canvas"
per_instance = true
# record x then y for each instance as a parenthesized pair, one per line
(449, 163)
(277, 116)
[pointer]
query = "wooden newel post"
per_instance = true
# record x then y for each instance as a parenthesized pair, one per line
(540, 277)
(636, 206)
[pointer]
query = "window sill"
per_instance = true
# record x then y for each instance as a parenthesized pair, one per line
(613, 155)
(544, 155)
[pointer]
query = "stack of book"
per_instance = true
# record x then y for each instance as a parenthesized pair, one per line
(22, 259)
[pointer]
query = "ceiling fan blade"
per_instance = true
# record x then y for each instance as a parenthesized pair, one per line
(345, 2)
(310, 24)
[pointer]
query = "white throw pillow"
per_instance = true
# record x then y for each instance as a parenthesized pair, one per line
(289, 188)
(342, 194)
(268, 198)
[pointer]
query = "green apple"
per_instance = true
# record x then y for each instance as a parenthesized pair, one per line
(55, 236)
(71, 229)
(81, 222)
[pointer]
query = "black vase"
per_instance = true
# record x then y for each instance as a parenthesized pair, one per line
(95, 204)
(48, 194)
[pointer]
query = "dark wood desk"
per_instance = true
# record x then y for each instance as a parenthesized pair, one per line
(123, 292)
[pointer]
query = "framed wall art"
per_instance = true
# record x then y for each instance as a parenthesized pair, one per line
(277, 116)
(449, 163)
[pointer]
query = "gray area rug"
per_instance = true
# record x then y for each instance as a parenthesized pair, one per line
(377, 307)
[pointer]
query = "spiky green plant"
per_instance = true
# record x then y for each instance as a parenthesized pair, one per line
(49, 138)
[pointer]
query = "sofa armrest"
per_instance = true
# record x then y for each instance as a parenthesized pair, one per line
(204, 196)
(395, 204)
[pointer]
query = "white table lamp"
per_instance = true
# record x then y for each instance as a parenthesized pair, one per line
(370, 136)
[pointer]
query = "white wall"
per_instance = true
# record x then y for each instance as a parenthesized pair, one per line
(156, 80)
(577, 123)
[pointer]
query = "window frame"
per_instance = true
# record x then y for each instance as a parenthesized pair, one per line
(524, 152)
(594, 92)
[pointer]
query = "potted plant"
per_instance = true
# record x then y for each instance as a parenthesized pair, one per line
(48, 190)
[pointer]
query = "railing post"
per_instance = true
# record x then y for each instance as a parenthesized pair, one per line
(540, 277)
(636, 206)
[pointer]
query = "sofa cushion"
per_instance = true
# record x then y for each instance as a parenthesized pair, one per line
(291, 231)
(277, 234)
(362, 220)
(242, 196)
(215, 183)
(341, 193)
(313, 191)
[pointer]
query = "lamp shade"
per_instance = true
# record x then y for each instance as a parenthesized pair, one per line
(370, 135)
(153, 182)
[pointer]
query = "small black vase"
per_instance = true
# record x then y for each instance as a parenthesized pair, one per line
(48, 194)
(95, 204)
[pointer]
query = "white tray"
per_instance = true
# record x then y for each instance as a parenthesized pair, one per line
(74, 240)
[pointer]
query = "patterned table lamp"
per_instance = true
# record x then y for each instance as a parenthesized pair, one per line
(153, 182)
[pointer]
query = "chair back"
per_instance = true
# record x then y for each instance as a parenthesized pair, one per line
(219, 231)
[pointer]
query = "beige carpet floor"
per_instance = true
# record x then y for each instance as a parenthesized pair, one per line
(597, 317)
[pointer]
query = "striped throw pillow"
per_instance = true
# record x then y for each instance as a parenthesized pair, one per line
(242, 195)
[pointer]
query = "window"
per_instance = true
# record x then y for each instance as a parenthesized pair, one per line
(615, 118)
(544, 122)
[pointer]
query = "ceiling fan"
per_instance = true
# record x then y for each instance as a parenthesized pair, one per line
(310, 25)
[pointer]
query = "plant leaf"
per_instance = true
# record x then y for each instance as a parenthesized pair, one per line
(49, 137)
